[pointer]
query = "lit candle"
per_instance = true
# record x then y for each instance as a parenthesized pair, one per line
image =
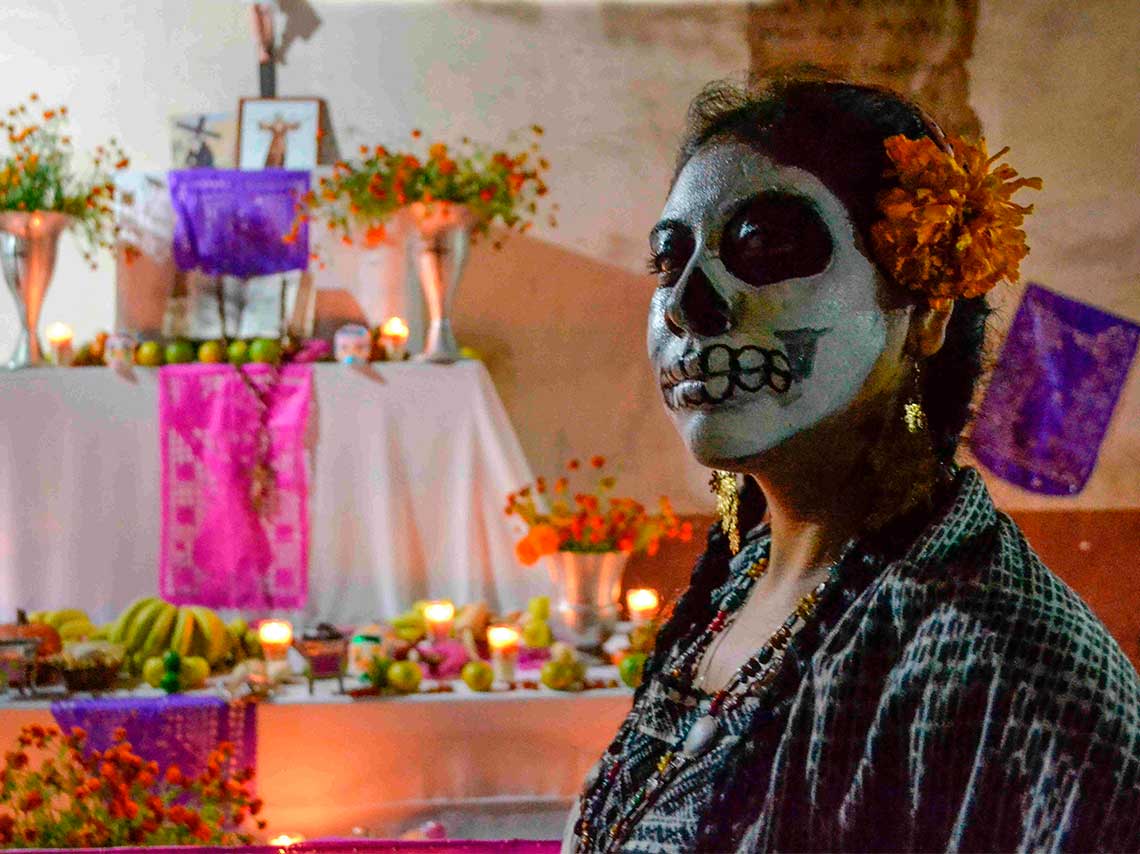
(504, 643)
(394, 337)
(642, 603)
(59, 342)
(276, 637)
(286, 839)
(439, 616)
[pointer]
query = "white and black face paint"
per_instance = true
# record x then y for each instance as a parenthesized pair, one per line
(766, 318)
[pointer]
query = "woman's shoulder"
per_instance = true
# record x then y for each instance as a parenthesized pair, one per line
(994, 613)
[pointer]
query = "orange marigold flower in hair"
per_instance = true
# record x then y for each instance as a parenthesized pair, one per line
(949, 229)
(31, 801)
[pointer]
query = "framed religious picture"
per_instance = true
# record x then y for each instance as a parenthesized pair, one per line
(278, 133)
(202, 140)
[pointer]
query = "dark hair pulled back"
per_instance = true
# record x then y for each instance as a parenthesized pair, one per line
(834, 130)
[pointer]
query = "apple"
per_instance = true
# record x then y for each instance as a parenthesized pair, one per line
(477, 675)
(238, 352)
(153, 671)
(405, 676)
(265, 350)
(212, 352)
(631, 668)
(149, 354)
(179, 352)
(561, 674)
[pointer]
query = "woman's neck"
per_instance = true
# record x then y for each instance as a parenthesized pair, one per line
(825, 486)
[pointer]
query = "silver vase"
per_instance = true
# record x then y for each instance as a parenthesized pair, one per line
(28, 244)
(442, 235)
(587, 586)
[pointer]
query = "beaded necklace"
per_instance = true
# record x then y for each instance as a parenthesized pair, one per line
(759, 671)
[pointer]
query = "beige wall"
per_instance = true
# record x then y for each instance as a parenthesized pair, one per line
(560, 316)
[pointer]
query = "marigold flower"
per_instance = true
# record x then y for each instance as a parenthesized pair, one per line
(949, 229)
(526, 551)
(174, 775)
(416, 133)
(597, 461)
(32, 800)
(573, 465)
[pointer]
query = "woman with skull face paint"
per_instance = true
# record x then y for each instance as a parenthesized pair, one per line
(884, 664)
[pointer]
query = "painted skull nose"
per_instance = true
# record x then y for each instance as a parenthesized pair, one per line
(696, 308)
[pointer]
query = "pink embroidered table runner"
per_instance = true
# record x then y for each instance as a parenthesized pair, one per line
(216, 549)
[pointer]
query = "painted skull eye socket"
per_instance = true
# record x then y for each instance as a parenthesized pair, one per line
(774, 237)
(671, 246)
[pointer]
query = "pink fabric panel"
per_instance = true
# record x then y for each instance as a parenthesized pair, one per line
(216, 550)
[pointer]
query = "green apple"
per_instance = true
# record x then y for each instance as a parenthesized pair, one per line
(265, 350)
(561, 675)
(149, 354)
(179, 352)
(477, 675)
(212, 352)
(631, 668)
(405, 676)
(238, 352)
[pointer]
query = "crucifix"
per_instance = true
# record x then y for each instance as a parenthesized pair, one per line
(261, 16)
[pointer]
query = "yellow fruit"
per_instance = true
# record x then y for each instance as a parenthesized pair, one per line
(182, 637)
(122, 624)
(193, 672)
(74, 630)
(214, 630)
(405, 676)
(139, 628)
(477, 675)
(152, 671)
(158, 638)
(537, 635)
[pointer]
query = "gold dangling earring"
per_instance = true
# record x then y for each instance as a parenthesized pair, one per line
(913, 414)
(723, 485)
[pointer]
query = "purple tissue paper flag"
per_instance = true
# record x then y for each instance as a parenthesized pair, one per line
(230, 222)
(1057, 381)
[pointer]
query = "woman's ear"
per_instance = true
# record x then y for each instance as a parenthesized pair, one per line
(927, 329)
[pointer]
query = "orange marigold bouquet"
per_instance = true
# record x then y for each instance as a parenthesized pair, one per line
(594, 521)
(39, 174)
(54, 794)
(950, 228)
(496, 186)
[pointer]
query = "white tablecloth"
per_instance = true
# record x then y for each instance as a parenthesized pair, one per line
(410, 465)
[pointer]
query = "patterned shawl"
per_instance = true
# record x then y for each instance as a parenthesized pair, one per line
(960, 698)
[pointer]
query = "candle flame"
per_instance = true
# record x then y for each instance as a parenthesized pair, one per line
(59, 332)
(285, 840)
(502, 637)
(642, 599)
(439, 612)
(394, 327)
(275, 632)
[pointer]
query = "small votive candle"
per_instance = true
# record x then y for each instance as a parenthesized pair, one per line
(276, 637)
(642, 604)
(286, 839)
(504, 643)
(394, 337)
(439, 616)
(59, 342)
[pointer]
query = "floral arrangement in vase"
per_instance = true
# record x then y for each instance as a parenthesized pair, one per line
(589, 522)
(57, 793)
(362, 195)
(39, 174)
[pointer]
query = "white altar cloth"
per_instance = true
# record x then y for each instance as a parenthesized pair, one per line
(410, 465)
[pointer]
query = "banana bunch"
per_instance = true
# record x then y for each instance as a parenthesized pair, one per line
(71, 623)
(149, 627)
